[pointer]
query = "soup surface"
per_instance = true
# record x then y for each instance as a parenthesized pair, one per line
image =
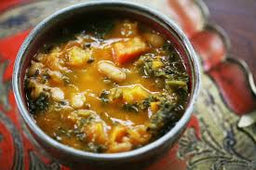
(116, 86)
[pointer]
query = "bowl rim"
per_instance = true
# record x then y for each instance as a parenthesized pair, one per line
(106, 156)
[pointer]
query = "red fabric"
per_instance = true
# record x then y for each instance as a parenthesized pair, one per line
(210, 47)
(6, 158)
(229, 78)
(4, 4)
(9, 48)
(188, 15)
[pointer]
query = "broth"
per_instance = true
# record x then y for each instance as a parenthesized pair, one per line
(116, 86)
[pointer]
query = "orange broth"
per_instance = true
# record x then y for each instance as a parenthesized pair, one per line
(96, 93)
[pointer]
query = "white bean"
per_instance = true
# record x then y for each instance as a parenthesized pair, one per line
(111, 71)
(57, 94)
(78, 100)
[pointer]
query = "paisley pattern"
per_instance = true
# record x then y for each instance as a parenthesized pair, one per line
(213, 139)
(221, 145)
(4, 87)
(16, 141)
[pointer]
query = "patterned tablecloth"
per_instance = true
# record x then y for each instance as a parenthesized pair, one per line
(222, 130)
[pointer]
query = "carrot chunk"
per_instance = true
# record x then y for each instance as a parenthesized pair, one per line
(128, 50)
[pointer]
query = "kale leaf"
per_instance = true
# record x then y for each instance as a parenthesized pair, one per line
(40, 104)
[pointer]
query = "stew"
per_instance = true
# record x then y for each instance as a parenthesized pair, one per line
(114, 87)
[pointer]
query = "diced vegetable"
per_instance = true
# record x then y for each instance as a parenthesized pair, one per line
(122, 139)
(162, 117)
(78, 100)
(76, 56)
(116, 93)
(117, 133)
(154, 106)
(128, 94)
(85, 113)
(129, 28)
(120, 147)
(57, 94)
(35, 68)
(111, 71)
(176, 83)
(135, 94)
(95, 132)
(138, 135)
(73, 117)
(153, 39)
(52, 61)
(164, 68)
(131, 107)
(126, 51)
(157, 64)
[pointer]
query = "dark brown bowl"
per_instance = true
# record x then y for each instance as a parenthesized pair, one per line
(71, 18)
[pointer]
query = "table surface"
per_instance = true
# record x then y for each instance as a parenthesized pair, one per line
(227, 98)
(237, 17)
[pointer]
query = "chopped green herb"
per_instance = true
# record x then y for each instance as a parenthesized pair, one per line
(40, 104)
(131, 107)
(104, 96)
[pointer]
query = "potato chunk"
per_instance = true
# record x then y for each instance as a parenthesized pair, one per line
(126, 51)
(154, 40)
(117, 133)
(129, 94)
(139, 135)
(157, 63)
(77, 56)
(96, 133)
(52, 60)
(135, 94)
(57, 94)
(154, 106)
(118, 140)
